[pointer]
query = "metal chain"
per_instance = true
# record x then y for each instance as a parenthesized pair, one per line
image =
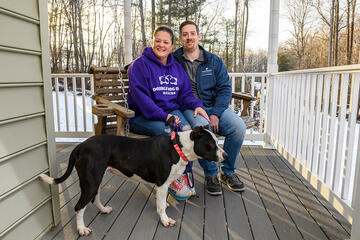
(116, 50)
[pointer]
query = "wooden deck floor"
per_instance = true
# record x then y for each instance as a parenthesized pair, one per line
(277, 204)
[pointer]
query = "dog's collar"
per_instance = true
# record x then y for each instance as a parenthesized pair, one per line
(177, 148)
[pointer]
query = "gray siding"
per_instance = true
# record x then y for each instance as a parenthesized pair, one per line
(27, 145)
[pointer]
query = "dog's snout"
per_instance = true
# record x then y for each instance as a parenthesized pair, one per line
(224, 155)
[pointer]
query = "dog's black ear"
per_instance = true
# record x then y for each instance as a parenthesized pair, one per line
(196, 132)
(171, 122)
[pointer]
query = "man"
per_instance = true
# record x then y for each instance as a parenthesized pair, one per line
(211, 84)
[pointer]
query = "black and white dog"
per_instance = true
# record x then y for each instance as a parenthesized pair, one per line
(153, 159)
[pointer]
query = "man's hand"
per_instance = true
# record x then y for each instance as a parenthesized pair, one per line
(214, 123)
(201, 111)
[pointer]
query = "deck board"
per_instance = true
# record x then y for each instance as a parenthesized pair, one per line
(303, 220)
(277, 204)
(323, 215)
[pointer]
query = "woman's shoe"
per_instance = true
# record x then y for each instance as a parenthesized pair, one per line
(180, 189)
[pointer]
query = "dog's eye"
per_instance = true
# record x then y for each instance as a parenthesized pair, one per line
(212, 145)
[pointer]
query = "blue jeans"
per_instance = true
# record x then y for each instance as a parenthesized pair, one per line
(141, 125)
(233, 128)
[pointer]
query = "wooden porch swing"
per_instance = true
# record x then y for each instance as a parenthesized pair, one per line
(110, 91)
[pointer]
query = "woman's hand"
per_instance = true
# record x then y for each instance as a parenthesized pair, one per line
(201, 111)
(177, 119)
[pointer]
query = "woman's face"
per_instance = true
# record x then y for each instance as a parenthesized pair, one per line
(162, 45)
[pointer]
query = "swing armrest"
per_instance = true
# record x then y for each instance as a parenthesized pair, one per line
(118, 110)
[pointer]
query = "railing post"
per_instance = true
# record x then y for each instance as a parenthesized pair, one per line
(355, 229)
(268, 117)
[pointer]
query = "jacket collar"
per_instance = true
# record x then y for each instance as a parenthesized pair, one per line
(180, 51)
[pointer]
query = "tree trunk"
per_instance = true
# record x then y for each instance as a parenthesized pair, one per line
(142, 23)
(244, 23)
(331, 33)
(82, 54)
(152, 16)
(169, 14)
(235, 34)
(336, 32)
(161, 12)
(350, 19)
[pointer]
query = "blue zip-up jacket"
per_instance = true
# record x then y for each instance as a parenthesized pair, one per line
(156, 89)
(212, 81)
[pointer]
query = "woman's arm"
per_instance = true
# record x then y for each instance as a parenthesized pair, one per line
(139, 91)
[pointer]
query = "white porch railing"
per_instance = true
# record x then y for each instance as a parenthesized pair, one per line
(72, 103)
(253, 83)
(312, 121)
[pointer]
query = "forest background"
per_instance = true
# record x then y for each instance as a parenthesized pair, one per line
(91, 32)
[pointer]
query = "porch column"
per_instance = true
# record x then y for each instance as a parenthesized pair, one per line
(272, 66)
(127, 27)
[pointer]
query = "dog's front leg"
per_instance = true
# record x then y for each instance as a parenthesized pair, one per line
(161, 194)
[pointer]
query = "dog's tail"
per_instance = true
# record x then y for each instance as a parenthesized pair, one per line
(69, 169)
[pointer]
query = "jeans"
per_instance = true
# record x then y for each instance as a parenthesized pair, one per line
(233, 128)
(141, 125)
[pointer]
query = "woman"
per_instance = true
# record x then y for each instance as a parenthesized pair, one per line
(160, 88)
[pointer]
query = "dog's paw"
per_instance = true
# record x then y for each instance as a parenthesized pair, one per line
(167, 205)
(107, 209)
(84, 231)
(169, 223)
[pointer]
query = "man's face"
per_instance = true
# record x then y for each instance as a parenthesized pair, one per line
(189, 38)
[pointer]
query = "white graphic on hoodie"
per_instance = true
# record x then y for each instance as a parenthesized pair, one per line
(167, 90)
(166, 79)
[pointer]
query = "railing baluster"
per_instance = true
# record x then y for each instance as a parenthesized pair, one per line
(311, 142)
(305, 135)
(262, 98)
(276, 109)
(66, 103)
(339, 155)
(332, 131)
(92, 101)
(287, 112)
(350, 172)
(83, 101)
(57, 103)
(317, 130)
(233, 78)
(75, 103)
(324, 132)
(291, 113)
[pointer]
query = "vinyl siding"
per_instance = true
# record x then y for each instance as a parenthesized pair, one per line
(28, 206)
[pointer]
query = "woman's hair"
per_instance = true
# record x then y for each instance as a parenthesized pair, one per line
(165, 29)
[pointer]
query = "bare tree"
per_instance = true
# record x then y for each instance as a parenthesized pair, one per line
(243, 33)
(350, 23)
(235, 34)
(142, 23)
(332, 17)
(153, 15)
(299, 16)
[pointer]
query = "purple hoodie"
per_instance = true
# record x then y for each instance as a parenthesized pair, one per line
(156, 89)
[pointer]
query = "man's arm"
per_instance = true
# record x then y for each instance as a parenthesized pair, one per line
(223, 89)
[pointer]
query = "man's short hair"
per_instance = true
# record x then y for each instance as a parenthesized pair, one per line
(188, 22)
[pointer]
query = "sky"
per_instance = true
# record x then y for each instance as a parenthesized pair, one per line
(258, 28)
